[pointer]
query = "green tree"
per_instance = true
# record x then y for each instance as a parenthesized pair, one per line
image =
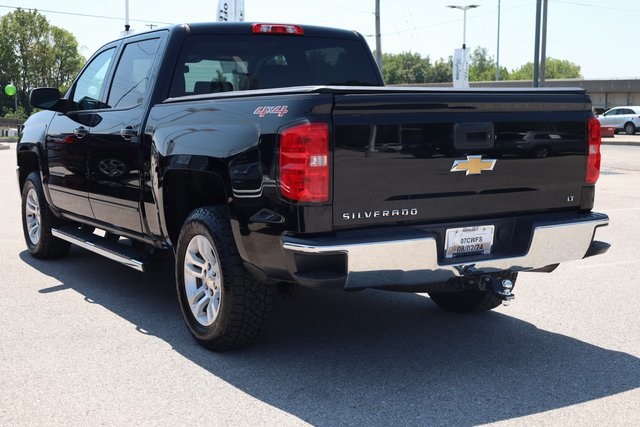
(34, 53)
(555, 69)
(405, 67)
(64, 59)
(8, 113)
(482, 67)
(442, 71)
(410, 67)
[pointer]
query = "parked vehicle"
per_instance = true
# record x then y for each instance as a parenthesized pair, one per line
(266, 153)
(625, 119)
(537, 144)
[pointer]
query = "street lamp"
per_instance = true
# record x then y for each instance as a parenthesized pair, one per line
(464, 28)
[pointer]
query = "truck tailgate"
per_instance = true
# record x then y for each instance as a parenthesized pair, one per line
(427, 156)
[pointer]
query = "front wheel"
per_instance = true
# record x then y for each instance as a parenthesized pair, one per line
(38, 220)
(630, 128)
(222, 304)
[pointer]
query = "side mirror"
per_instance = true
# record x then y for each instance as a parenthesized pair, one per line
(48, 98)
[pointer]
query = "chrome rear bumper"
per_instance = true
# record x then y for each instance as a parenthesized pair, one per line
(415, 260)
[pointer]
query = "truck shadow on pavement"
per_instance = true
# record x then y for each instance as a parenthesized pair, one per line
(370, 358)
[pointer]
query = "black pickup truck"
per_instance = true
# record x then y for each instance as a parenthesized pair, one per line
(261, 154)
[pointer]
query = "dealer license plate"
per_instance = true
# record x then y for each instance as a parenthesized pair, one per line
(469, 241)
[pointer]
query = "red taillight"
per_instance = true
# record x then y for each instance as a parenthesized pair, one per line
(277, 29)
(593, 156)
(304, 163)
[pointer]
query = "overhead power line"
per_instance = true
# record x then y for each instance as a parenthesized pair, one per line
(86, 15)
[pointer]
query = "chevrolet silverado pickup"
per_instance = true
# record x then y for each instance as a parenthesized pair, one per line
(259, 154)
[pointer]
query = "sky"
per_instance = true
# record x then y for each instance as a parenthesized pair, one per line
(601, 36)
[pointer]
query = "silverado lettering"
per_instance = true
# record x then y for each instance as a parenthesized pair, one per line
(253, 153)
(379, 214)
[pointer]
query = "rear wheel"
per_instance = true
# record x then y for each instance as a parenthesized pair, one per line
(222, 304)
(630, 128)
(38, 220)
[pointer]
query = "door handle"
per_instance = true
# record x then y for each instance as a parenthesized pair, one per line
(80, 132)
(473, 136)
(128, 133)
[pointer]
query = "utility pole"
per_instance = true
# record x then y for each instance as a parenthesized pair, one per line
(540, 58)
(498, 47)
(536, 53)
(378, 38)
(543, 49)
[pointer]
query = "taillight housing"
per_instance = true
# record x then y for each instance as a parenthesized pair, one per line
(277, 29)
(304, 163)
(593, 155)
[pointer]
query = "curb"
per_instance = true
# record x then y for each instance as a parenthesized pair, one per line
(610, 141)
(4, 147)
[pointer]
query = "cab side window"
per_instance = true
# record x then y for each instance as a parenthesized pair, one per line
(91, 82)
(131, 79)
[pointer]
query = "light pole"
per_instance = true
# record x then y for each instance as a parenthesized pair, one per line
(127, 27)
(498, 47)
(464, 27)
(378, 39)
(461, 56)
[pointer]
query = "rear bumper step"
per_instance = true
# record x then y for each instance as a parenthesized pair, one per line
(129, 256)
(414, 260)
(597, 248)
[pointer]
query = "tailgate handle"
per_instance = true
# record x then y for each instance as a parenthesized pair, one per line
(473, 136)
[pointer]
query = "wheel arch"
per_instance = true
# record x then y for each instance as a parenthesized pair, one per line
(30, 150)
(28, 161)
(185, 190)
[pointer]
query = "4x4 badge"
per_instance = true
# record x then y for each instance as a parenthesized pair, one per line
(474, 165)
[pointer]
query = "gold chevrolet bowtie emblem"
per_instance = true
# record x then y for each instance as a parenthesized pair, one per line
(474, 165)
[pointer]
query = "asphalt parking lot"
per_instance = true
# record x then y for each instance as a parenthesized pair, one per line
(86, 341)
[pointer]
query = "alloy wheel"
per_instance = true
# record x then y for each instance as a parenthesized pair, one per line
(203, 280)
(33, 216)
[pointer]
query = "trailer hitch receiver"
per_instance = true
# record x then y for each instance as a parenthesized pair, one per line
(501, 288)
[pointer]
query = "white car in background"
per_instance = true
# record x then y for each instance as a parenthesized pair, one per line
(623, 118)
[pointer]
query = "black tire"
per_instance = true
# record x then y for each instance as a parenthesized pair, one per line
(38, 220)
(223, 285)
(630, 128)
(541, 152)
(469, 301)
